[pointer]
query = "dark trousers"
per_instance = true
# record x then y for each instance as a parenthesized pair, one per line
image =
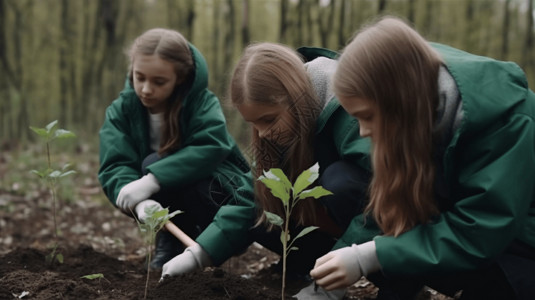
(349, 184)
(199, 201)
(510, 276)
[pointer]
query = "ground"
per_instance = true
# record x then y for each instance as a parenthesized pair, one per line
(95, 238)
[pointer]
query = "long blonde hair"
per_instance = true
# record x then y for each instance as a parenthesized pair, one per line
(171, 46)
(391, 64)
(273, 74)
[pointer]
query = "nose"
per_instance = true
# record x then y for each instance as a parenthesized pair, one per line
(364, 131)
(262, 132)
(146, 89)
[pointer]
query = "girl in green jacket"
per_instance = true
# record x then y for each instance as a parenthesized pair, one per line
(164, 143)
(287, 98)
(453, 158)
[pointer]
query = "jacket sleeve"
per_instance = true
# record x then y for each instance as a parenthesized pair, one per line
(119, 158)
(493, 195)
(228, 234)
(205, 144)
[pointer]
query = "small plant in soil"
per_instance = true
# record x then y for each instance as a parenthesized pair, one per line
(154, 222)
(290, 195)
(52, 177)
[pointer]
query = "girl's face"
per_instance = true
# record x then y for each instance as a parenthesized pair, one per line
(154, 81)
(365, 111)
(273, 123)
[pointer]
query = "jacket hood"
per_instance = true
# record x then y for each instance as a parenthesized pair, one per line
(321, 64)
(200, 81)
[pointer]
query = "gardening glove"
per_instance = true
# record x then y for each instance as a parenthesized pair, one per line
(193, 258)
(315, 292)
(141, 206)
(345, 266)
(137, 191)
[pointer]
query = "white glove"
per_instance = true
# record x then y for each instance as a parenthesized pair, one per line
(141, 206)
(193, 258)
(345, 266)
(315, 292)
(137, 191)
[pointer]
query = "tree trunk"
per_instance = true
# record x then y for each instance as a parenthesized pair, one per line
(326, 22)
(527, 51)
(245, 33)
(505, 31)
(382, 6)
(283, 22)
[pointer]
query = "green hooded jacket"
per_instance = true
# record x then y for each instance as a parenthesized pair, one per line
(207, 150)
(489, 168)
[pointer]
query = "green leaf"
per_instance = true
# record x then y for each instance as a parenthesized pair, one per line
(305, 231)
(67, 173)
(40, 131)
(40, 174)
(316, 192)
(62, 134)
(51, 125)
(278, 173)
(283, 236)
(292, 248)
(277, 188)
(274, 218)
(59, 257)
(305, 179)
(93, 276)
(54, 174)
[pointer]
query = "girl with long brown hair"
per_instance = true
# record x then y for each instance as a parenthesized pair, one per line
(296, 121)
(164, 143)
(453, 156)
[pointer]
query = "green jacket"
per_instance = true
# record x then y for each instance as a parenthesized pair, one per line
(207, 150)
(489, 168)
(337, 133)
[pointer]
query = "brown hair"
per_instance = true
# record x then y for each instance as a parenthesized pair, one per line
(391, 64)
(273, 74)
(171, 46)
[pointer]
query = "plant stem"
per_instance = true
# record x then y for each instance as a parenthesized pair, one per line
(149, 251)
(285, 249)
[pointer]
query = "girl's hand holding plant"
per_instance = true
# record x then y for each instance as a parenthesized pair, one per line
(137, 191)
(141, 207)
(193, 258)
(345, 266)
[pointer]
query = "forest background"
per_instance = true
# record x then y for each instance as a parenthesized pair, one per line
(64, 59)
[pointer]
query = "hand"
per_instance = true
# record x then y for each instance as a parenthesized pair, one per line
(137, 191)
(141, 206)
(193, 258)
(345, 266)
(314, 292)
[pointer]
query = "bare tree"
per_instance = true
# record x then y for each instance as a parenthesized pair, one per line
(245, 33)
(527, 50)
(283, 22)
(505, 31)
(326, 23)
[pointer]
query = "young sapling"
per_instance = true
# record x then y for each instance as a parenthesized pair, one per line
(154, 222)
(49, 134)
(290, 195)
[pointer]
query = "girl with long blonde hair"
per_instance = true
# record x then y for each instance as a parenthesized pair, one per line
(296, 121)
(453, 156)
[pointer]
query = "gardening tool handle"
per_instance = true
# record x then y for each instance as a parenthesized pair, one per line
(179, 234)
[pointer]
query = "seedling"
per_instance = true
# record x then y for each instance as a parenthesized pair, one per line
(282, 188)
(154, 222)
(52, 177)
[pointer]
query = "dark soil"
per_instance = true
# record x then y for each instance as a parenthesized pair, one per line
(96, 238)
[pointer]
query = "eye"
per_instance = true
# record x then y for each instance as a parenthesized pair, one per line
(139, 78)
